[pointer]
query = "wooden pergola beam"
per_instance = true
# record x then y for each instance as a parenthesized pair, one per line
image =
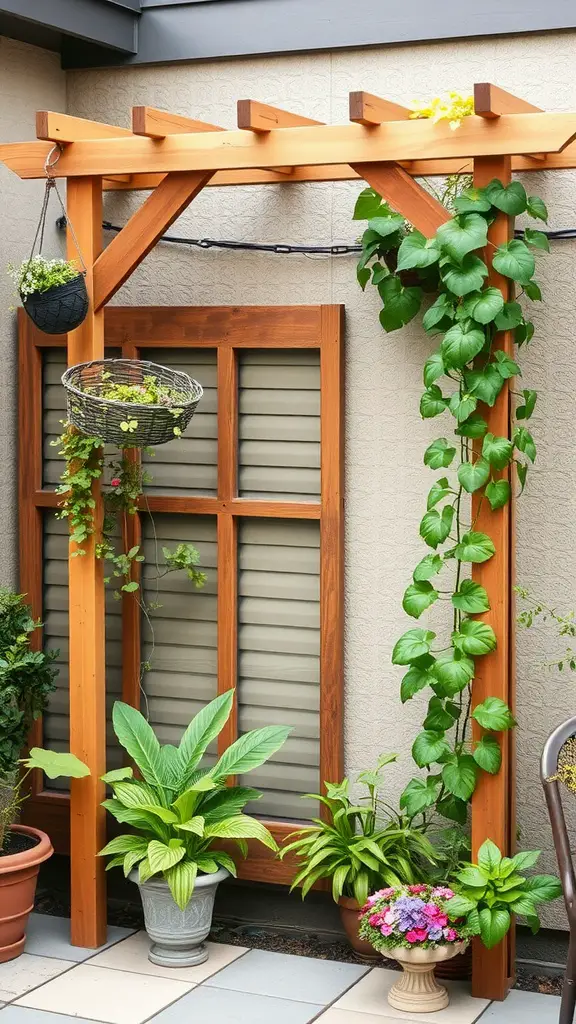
(64, 128)
(395, 185)
(157, 124)
(324, 144)
(260, 117)
(490, 101)
(364, 108)
(133, 243)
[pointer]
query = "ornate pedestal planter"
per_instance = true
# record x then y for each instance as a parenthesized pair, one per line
(417, 990)
(178, 935)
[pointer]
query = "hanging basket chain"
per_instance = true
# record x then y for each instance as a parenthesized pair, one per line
(51, 161)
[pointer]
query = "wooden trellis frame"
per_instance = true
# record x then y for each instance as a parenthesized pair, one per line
(175, 157)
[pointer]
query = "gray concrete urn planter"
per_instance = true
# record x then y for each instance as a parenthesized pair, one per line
(178, 935)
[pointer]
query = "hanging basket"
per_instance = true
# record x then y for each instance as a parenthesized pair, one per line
(129, 424)
(59, 309)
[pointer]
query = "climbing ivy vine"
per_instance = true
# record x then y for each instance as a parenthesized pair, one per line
(466, 371)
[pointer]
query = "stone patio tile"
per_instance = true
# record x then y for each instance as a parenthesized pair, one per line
(27, 972)
(369, 996)
(524, 1008)
(207, 1005)
(97, 993)
(23, 1015)
(50, 936)
(334, 1016)
(132, 955)
(285, 976)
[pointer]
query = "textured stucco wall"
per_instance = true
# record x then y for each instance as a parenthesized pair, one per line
(385, 438)
(30, 80)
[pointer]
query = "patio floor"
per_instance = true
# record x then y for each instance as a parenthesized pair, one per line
(56, 983)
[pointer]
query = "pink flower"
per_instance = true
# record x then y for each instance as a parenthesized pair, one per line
(384, 893)
(431, 910)
(417, 935)
(443, 892)
(417, 888)
(375, 920)
(386, 929)
(390, 917)
(450, 935)
(116, 481)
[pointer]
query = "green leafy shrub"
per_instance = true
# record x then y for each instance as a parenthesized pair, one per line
(495, 888)
(362, 844)
(179, 810)
(39, 274)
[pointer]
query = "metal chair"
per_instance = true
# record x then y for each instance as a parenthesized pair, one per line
(559, 751)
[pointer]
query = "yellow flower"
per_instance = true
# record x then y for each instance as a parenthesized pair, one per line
(451, 107)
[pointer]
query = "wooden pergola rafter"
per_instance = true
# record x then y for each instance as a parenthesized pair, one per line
(174, 157)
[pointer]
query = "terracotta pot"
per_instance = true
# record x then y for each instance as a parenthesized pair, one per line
(349, 910)
(18, 877)
(417, 990)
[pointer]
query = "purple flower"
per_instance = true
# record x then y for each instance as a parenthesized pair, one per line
(434, 933)
(410, 912)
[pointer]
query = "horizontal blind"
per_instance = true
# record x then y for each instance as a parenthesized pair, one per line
(279, 424)
(279, 656)
(189, 464)
(56, 721)
(179, 636)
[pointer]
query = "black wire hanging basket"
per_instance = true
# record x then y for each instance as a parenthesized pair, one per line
(62, 307)
(139, 422)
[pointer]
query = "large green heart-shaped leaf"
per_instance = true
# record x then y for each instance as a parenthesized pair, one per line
(462, 234)
(514, 260)
(367, 205)
(475, 547)
(494, 925)
(435, 526)
(428, 747)
(475, 638)
(459, 776)
(484, 306)
(536, 208)
(486, 384)
(428, 567)
(418, 795)
(509, 317)
(439, 717)
(453, 671)
(439, 490)
(473, 475)
(453, 808)
(461, 343)
(524, 412)
(432, 402)
(488, 755)
(400, 304)
(497, 450)
(416, 679)
(386, 225)
(56, 764)
(439, 454)
(474, 426)
(418, 597)
(494, 714)
(465, 277)
(411, 646)
(472, 200)
(506, 366)
(438, 311)
(498, 493)
(471, 598)
(417, 251)
(511, 199)
(462, 406)
(525, 442)
(433, 368)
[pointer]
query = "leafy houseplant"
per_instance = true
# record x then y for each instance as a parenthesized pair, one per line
(466, 372)
(180, 812)
(53, 292)
(412, 924)
(360, 845)
(491, 891)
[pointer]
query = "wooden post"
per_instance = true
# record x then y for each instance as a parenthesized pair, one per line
(492, 803)
(86, 596)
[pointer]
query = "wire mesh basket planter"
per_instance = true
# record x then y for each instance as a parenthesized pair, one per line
(129, 424)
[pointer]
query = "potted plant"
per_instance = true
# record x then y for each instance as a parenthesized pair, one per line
(130, 402)
(26, 682)
(360, 845)
(53, 293)
(412, 924)
(491, 891)
(180, 813)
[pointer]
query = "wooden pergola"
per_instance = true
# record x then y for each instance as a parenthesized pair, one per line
(174, 158)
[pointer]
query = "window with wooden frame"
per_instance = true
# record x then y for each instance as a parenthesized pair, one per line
(256, 484)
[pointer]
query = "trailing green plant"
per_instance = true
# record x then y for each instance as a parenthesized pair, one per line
(491, 891)
(26, 678)
(149, 392)
(564, 626)
(362, 844)
(13, 790)
(179, 810)
(469, 368)
(38, 274)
